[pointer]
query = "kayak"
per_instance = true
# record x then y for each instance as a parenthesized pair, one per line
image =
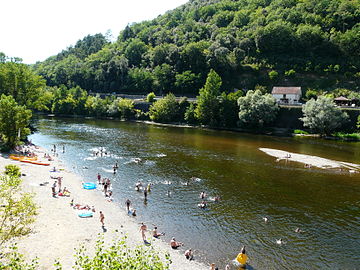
(19, 157)
(35, 162)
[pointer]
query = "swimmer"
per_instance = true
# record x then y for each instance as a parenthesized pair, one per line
(203, 204)
(203, 195)
(265, 219)
(242, 258)
(280, 242)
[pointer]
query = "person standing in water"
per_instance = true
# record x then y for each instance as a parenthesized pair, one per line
(128, 203)
(145, 194)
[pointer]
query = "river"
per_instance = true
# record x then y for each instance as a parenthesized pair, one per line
(324, 204)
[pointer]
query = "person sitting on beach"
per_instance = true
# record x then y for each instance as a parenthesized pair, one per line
(132, 212)
(174, 244)
(65, 192)
(188, 254)
(156, 234)
(242, 258)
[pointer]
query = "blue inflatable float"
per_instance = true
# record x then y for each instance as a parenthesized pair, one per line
(85, 214)
(89, 185)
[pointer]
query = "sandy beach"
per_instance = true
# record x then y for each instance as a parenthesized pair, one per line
(311, 160)
(58, 230)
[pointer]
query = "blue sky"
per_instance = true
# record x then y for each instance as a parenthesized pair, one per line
(36, 29)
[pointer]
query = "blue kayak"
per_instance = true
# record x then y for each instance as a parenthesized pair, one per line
(89, 185)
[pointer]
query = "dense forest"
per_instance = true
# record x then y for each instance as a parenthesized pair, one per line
(311, 43)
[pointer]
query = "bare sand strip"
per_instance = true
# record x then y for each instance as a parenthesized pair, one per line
(58, 229)
(311, 160)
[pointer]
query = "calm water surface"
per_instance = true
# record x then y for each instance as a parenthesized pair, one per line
(325, 204)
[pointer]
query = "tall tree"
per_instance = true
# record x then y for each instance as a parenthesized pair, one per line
(207, 110)
(14, 121)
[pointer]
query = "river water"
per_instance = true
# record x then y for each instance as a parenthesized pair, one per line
(325, 204)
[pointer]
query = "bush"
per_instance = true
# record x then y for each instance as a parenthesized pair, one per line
(126, 108)
(150, 97)
(119, 256)
(12, 170)
(290, 73)
(165, 110)
(273, 75)
(189, 115)
(299, 131)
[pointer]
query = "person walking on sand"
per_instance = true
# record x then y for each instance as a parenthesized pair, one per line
(59, 182)
(102, 218)
(53, 188)
(128, 203)
(143, 229)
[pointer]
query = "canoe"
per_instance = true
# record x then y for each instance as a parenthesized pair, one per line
(19, 157)
(35, 162)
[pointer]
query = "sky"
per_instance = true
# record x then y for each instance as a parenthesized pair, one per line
(36, 29)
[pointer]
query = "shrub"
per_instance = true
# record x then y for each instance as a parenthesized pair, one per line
(150, 97)
(12, 170)
(165, 110)
(299, 131)
(189, 115)
(290, 73)
(119, 256)
(273, 75)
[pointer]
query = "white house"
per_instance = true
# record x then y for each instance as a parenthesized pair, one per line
(286, 95)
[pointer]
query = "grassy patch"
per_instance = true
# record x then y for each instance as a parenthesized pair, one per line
(347, 136)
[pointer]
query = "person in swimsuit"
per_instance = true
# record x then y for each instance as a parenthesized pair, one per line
(156, 234)
(143, 229)
(188, 254)
(174, 244)
(128, 203)
(102, 218)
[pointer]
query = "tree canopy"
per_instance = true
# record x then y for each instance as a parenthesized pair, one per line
(241, 40)
(322, 116)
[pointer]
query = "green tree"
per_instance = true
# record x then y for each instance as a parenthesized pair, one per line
(14, 121)
(19, 81)
(126, 108)
(165, 110)
(256, 109)
(17, 209)
(207, 110)
(322, 116)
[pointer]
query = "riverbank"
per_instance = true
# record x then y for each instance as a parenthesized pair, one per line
(58, 230)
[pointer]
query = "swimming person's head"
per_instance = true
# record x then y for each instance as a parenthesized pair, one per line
(243, 250)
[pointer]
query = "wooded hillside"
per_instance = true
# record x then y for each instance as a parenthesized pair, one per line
(310, 43)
